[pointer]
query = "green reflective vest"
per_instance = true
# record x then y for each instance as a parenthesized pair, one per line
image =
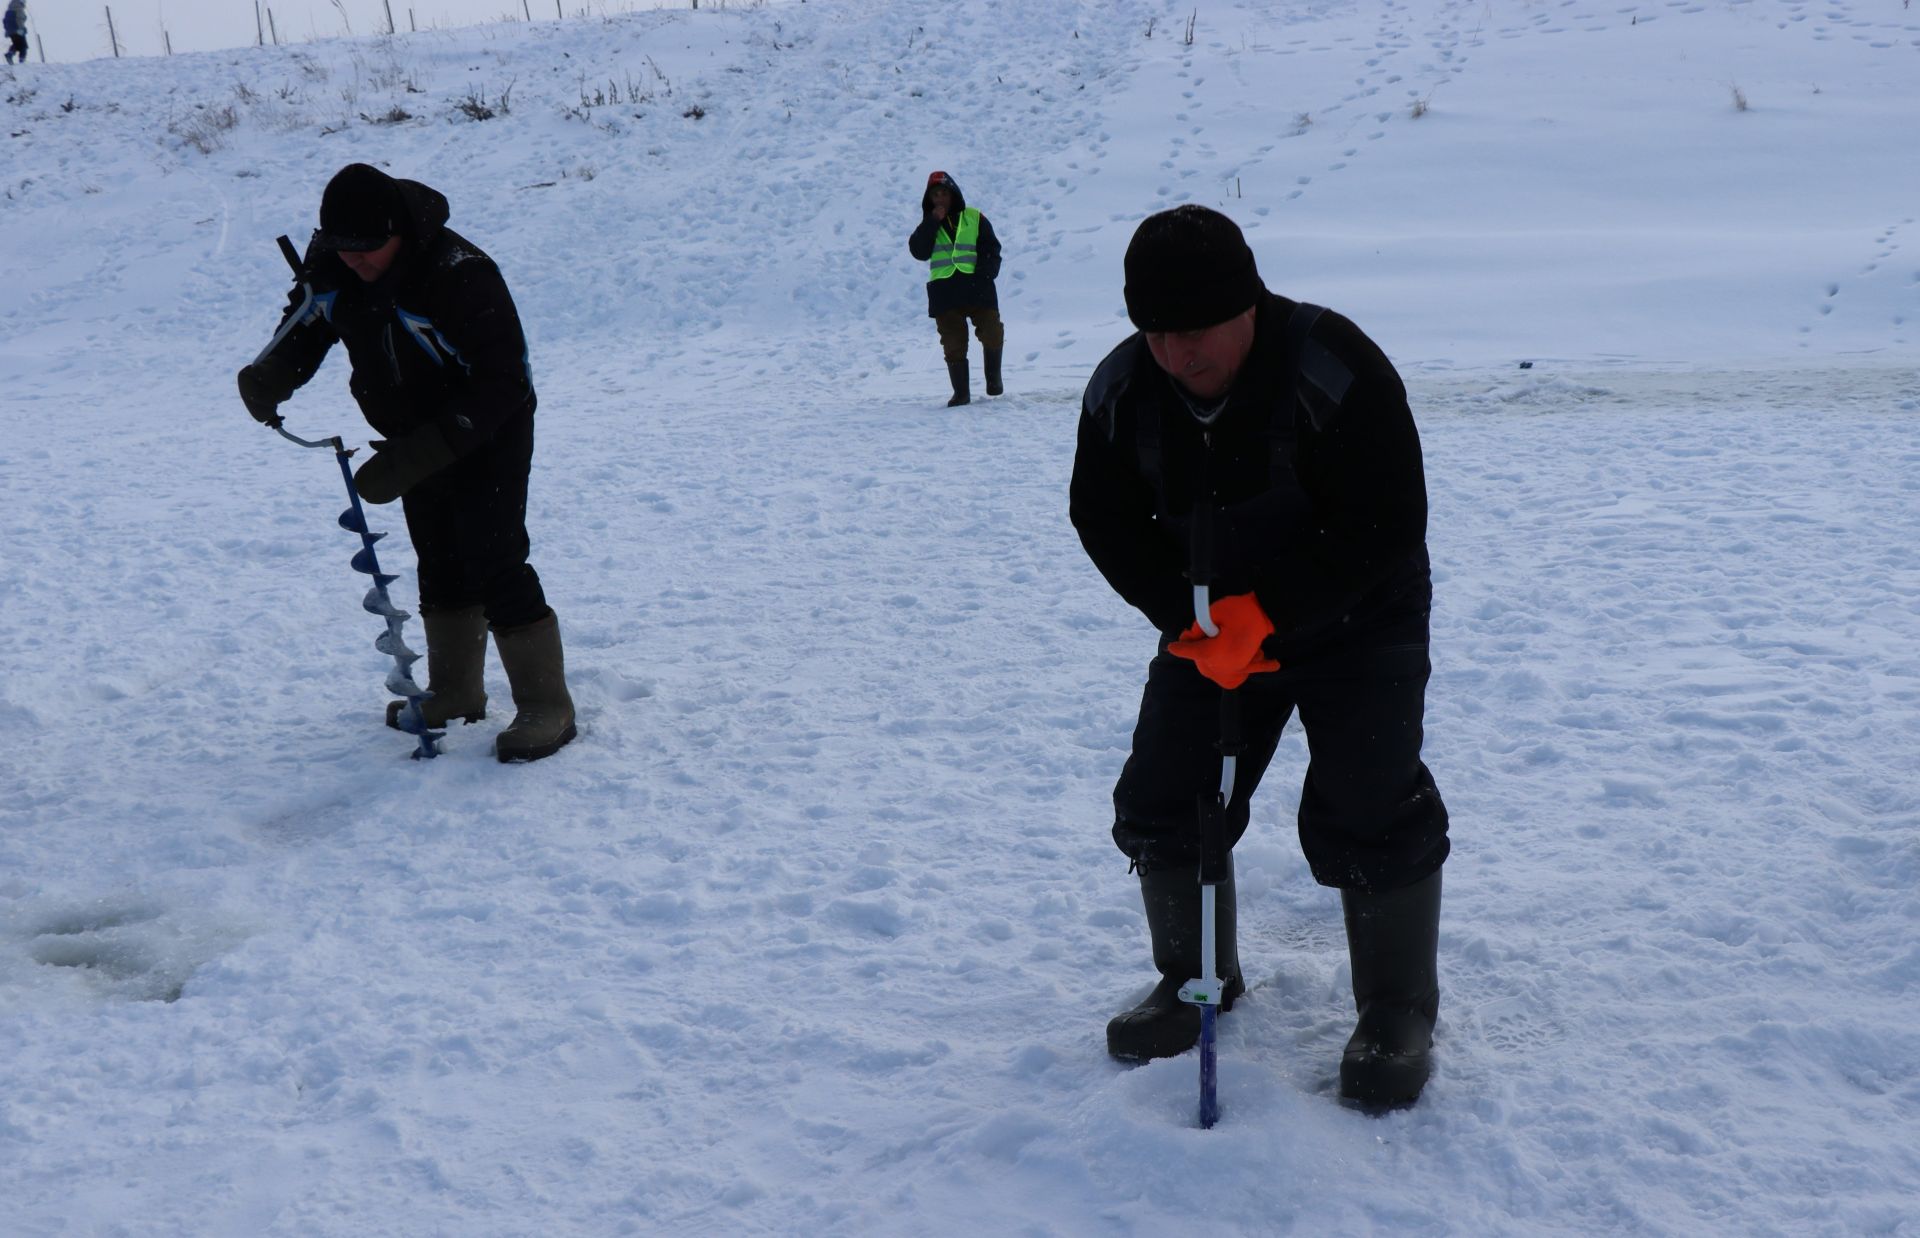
(955, 251)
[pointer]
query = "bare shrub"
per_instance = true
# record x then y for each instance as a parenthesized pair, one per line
(205, 130)
(476, 107)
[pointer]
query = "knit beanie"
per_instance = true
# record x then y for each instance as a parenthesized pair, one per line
(1189, 268)
(360, 209)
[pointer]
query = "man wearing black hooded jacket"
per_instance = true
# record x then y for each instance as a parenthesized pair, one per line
(1287, 430)
(963, 259)
(440, 369)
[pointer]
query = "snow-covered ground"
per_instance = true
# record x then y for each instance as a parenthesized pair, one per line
(816, 928)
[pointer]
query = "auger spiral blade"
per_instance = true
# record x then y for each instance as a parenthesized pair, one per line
(366, 563)
(377, 602)
(415, 724)
(394, 646)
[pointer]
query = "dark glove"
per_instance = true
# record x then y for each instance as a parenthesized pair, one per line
(402, 463)
(257, 393)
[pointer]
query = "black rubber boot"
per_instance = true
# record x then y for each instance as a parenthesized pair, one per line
(1163, 1025)
(1393, 940)
(456, 668)
(957, 371)
(536, 667)
(994, 385)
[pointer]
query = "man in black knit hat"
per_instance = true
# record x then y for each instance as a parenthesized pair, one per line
(440, 368)
(1287, 431)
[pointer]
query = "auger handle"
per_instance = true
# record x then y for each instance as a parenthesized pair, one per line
(334, 442)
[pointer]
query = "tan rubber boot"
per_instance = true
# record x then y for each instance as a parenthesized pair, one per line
(456, 668)
(536, 667)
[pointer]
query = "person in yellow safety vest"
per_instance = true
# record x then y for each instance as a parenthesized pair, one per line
(963, 258)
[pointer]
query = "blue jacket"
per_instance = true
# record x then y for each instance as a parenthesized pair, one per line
(16, 19)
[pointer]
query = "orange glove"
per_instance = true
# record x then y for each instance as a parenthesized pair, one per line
(1230, 657)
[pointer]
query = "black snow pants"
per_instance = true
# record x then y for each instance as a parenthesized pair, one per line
(1370, 816)
(468, 523)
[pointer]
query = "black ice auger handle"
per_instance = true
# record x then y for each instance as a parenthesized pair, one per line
(292, 256)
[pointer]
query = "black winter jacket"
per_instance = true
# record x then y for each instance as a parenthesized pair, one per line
(436, 340)
(957, 291)
(1320, 505)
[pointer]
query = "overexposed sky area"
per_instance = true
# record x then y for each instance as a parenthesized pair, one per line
(69, 30)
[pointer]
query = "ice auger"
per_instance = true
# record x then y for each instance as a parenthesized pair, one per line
(1204, 990)
(391, 642)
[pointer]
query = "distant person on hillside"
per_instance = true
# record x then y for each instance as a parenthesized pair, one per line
(14, 25)
(963, 259)
(1286, 431)
(439, 368)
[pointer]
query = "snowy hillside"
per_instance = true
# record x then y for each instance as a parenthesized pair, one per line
(816, 928)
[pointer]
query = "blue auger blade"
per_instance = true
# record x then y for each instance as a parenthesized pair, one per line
(414, 723)
(378, 603)
(352, 521)
(364, 561)
(400, 683)
(391, 644)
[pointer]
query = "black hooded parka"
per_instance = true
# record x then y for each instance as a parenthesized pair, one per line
(959, 290)
(435, 342)
(437, 339)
